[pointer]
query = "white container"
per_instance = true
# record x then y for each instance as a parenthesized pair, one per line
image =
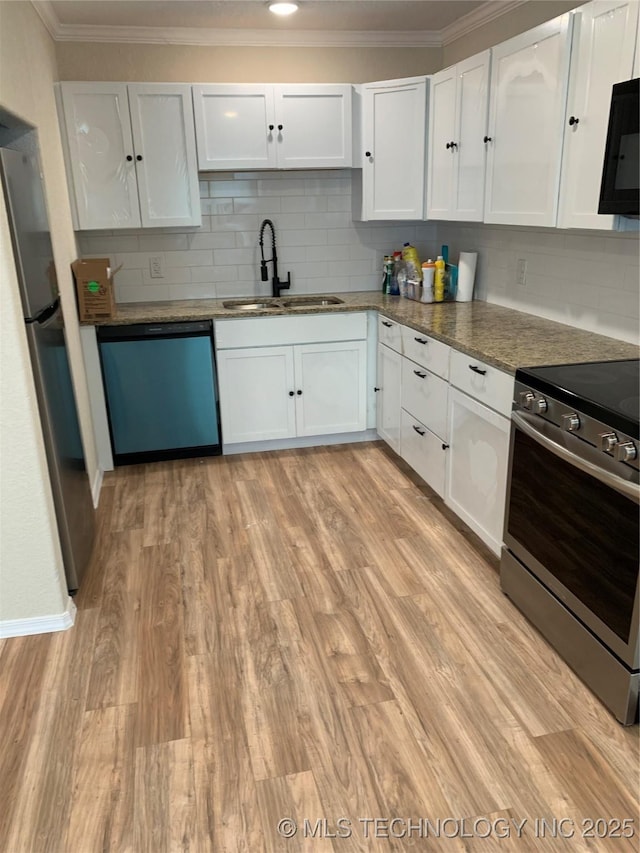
(466, 276)
(427, 293)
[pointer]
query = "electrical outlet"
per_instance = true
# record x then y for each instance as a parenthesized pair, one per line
(156, 266)
(521, 272)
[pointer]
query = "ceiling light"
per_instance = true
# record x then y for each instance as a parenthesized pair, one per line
(283, 9)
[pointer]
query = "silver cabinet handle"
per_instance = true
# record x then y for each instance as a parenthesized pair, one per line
(619, 484)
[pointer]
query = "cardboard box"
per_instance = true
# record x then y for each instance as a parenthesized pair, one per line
(94, 288)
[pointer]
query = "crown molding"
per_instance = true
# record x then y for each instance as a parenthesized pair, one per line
(247, 38)
(47, 16)
(489, 11)
(211, 37)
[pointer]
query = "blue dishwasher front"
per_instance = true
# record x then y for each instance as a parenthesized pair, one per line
(161, 390)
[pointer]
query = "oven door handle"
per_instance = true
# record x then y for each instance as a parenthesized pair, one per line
(624, 487)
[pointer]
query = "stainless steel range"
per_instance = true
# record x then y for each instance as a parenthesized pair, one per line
(571, 554)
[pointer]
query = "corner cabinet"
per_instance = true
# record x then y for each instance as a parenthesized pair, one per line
(457, 150)
(295, 126)
(394, 146)
(131, 154)
(603, 47)
(286, 377)
(529, 78)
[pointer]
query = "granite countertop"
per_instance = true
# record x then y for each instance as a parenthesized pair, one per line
(500, 336)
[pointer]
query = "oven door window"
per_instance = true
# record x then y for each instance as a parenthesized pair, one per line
(583, 532)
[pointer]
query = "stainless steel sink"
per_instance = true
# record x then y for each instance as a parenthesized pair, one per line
(305, 301)
(251, 305)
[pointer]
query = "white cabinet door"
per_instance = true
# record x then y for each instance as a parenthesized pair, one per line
(257, 391)
(442, 133)
(459, 98)
(603, 47)
(394, 136)
(101, 155)
(477, 470)
(424, 452)
(529, 76)
(470, 151)
(165, 146)
(331, 387)
(313, 125)
(388, 384)
(235, 126)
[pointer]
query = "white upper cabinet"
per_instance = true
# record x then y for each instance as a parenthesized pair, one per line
(529, 77)
(272, 126)
(394, 142)
(131, 153)
(458, 107)
(603, 47)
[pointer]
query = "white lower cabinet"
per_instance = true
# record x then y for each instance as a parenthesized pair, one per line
(424, 451)
(388, 396)
(477, 470)
(272, 391)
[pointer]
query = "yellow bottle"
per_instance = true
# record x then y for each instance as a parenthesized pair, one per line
(438, 280)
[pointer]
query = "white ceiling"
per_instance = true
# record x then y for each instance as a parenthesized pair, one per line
(244, 22)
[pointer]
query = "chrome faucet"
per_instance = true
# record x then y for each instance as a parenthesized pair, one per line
(276, 284)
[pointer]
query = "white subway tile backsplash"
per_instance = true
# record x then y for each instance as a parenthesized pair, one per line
(212, 240)
(191, 258)
(586, 279)
(232, 189)
(200, 275)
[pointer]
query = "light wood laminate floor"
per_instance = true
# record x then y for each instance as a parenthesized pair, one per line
(303, 634)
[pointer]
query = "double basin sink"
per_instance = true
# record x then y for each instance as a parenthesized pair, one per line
(277, 304)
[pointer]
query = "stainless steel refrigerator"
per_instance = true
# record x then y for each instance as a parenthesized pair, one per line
(24, 198)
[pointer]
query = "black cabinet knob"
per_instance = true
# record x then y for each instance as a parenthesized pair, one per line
(129, 157)
(448, 145)
(376, 389)
(445, 446)
(573, 120)
(279, 127)
(138, 157)
(487, 139)
(271, 126)
(367, 153)
(299, 392)
(291, 393)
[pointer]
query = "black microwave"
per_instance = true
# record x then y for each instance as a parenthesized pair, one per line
(620, 187)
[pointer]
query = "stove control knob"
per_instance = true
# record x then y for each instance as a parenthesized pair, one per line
(625, 451)
(526, 399)
(608, 441)
(540, 406)
(571, 422)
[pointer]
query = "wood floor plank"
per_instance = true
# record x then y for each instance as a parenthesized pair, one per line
(294, 796)
(128, 498)
(103, 782)
(114, 666)
(165, 816)
(162, 704)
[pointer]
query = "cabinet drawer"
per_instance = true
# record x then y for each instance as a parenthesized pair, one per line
(425, 395)
(491, 386)
(389, 333)
(278, 331)
(426, 351)
(423, 451)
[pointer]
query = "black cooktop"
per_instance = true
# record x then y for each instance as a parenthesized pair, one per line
(606, 390)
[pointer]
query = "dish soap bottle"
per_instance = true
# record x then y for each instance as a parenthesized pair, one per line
(438, 280)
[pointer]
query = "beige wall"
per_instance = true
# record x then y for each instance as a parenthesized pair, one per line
(511, 24)
(31, 573)
(187, 63)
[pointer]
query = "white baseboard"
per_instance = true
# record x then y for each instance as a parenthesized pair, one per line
(39, 624)
(304, 441)
(96, 486)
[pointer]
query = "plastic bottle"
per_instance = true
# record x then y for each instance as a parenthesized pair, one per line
(388, 275)
(410, 257)
(438, 280)
(428, 273)
(397, 266)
